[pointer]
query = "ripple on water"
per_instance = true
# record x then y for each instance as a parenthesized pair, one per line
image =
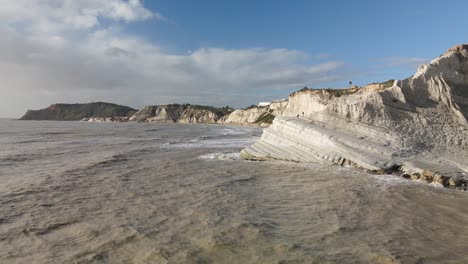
(103, 200)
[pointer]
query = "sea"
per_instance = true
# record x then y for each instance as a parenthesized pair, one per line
(79, 192)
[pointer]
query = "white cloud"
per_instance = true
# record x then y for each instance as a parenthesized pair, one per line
(49, 16)
(52, 64)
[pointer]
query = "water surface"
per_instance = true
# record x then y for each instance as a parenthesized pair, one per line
(77, 192)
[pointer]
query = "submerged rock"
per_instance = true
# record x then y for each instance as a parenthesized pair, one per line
(415, 176)
(453, 182)
(442, 180)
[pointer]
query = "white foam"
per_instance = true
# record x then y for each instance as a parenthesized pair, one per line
(211, 143)
(237, 131)
(391, 180)
(221, 156)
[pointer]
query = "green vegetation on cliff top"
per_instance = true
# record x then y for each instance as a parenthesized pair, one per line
(218, 110)
(265, 118)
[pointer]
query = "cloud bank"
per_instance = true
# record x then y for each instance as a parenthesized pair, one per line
(73, 51)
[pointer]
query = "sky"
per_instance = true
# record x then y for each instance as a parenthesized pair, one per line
(211, 52)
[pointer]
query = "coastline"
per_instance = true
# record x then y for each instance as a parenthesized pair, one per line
(416, 127)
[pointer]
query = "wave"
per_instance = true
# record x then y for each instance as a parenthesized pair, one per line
(212, 143)
(393, 180)
(18, 158)
(237, 131)
(28, 141)
(21, 158)
(221, 156)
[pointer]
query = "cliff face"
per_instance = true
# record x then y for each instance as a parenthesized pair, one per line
(414, 124)
(74, 112)
(176, 113)
(250, 115)
(159, 113)
(256, 115)
(192, 116)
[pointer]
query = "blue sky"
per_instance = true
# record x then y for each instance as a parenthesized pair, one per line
(362, 33)
(211, 52)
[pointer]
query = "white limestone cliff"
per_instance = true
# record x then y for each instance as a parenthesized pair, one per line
(414, 125)
(181, 113)
(158, 114)
(256, 115)
(193, 116)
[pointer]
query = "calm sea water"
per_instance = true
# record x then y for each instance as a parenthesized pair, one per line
(77, 192)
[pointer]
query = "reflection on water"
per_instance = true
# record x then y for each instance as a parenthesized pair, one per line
(76, 192)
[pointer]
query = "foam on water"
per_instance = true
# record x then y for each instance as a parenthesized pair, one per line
(221, 156)
(210, 143)
(235, 131)
(394, 180)
(390, 180)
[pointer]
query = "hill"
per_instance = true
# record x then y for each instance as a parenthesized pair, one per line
(75, 112)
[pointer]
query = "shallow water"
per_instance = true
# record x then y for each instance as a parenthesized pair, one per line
(76, 192)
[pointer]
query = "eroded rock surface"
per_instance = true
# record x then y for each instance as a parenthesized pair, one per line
(256, 115)
(412, 125)
(181, 113)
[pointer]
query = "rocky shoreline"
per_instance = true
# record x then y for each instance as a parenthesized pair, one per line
(76, 112)
(416, 128)
(107, 119)
(171, 113)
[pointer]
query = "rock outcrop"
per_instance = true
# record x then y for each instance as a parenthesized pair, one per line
(107, 119)
(412, 126)
(256, 115)
(76, 112)
(206, 116)
(159, 113)
(181, 113)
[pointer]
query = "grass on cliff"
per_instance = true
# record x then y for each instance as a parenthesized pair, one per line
(328, 91)
(340, 92)
(388, 83)
(265, 118)
(218, 110)
(253, 106)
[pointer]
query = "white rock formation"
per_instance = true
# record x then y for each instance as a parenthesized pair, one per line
(177, 113)
(159, 113)
(256, 115)
(416, 124)
(192, 116)
(246, 116)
